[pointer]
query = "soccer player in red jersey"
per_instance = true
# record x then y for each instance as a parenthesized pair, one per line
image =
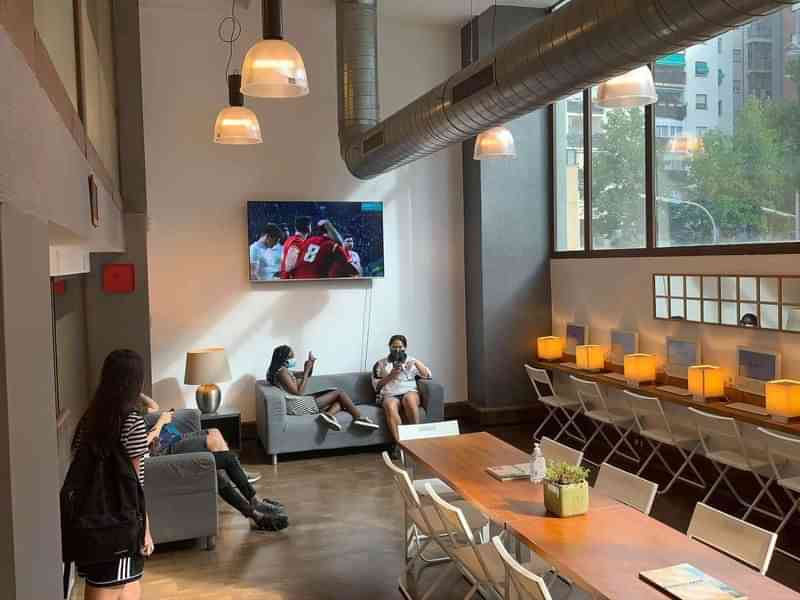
(323, 255)
(293, 246)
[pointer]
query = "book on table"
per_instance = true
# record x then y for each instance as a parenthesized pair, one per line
(685, 582)
(510, 472)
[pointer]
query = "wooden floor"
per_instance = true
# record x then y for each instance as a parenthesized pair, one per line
(344, 539)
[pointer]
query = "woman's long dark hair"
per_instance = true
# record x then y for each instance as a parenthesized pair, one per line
(279, 357)
(117, 396)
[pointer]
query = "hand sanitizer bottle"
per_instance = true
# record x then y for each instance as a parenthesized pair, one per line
(538, 465)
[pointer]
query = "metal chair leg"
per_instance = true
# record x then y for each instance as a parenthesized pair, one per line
(687, 462)
(550, 414)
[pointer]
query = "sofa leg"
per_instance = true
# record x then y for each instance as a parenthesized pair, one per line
(209, 543)
(274, 460)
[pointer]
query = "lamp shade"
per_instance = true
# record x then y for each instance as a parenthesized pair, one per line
(209, 365)
(590, 358)
(633, 89)
(640, 368)
(706, 381)
(783, 399)
(550, 347)
(273, 68)
(237, 125)
(497, 142)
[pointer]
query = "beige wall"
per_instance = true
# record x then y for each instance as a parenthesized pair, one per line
(617, 293)
(197, 193)
(54, 21)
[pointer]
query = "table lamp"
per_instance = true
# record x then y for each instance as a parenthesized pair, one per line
(706, 381)
(640, 368)
(590, 358)
(205, 368)
(550, 347)
(783, 400)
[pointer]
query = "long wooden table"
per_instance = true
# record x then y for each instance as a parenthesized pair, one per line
(603, 551)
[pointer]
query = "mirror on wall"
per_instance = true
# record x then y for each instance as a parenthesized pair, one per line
(748, 301)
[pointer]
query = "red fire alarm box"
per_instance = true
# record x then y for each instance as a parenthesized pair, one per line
(59, 287)
(119, 278)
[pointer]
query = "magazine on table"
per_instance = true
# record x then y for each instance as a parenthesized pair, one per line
(510, 472)
(685, 582)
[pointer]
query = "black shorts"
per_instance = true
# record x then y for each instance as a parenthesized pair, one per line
(114, 572)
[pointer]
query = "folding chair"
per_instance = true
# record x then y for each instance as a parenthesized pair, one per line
(558, 452)
(521, 581)
(653, 425)
(555, 405)
(595, 407)
(784, 451)
(422, 525)
(422, 431)
(743, 541)
(723, 445)
(626, 487)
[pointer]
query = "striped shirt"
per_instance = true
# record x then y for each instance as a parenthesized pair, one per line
(133, 436)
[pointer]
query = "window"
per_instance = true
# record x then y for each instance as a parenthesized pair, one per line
(569, 173)
(737, 55)
(737, 86)
(719, 45)
(701, 68)
(719, 108)
(701, 103)
(662, 131)
(701, 132)
(675, 131)
(618, 182)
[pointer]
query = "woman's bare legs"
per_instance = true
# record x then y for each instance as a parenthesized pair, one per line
(391, 406)
(336, 400)
(129, 591)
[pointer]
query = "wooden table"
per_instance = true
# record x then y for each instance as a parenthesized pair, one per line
(602, 551)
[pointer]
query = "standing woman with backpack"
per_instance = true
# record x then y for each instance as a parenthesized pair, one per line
(111, 428)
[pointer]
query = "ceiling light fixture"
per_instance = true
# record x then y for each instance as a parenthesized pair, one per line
(273, 68)
(634, 89)
(235, 124)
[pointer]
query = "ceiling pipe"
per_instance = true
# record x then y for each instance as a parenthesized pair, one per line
(584, 43)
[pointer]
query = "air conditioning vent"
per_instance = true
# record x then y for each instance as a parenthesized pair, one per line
(473, 84)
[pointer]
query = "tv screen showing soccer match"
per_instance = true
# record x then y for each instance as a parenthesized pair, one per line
(315, 240)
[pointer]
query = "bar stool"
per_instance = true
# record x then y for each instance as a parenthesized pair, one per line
(595, 406)
(723, 445)
(784, 451)
(554, 404)
(654, 426)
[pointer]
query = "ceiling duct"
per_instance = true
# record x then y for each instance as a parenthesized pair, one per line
(584, 43)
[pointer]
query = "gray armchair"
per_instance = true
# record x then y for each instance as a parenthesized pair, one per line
(181, 489)
(280, 433)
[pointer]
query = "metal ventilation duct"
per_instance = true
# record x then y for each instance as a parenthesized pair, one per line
(584, 43)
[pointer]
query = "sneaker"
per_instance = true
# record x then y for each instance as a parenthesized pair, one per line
(267, 507)
(280, 505)
(365, 422)
(253, 477)
(269, 522)
(330, 421)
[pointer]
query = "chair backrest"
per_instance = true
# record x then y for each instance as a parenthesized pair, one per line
(781, 450)
(554, 451)
(626, 487)
(648, 412)
(410, 497)
(540, 377)
(521, 584)
(589, 394)
(428, 430)
(739, 539)
(717, 432)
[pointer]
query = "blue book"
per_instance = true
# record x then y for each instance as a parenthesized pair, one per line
(685, 582)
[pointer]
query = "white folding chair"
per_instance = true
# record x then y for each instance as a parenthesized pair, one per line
(554, 451)
(783, 453)
(595, 407)
(723, 445)
(422, 526)
(653, 425)
(423, 431)
(743, 541)
(555, 405)
(626, 487)
(520, 583)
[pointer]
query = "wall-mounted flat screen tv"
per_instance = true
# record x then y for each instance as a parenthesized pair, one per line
(315, 240)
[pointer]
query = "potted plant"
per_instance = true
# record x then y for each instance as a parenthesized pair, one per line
(566, 489)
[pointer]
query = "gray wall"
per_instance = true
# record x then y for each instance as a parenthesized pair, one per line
(507, 240)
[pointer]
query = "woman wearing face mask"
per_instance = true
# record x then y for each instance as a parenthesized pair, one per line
(395, 381)
(326, 403)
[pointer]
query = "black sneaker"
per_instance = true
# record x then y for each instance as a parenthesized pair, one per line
(267, 507)
(365, 422)
(269, 522)
(330, 421)
(252, 476)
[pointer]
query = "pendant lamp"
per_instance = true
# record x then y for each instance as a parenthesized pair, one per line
(633, 89)
(236, 124)
(496, 142)
(273, 68)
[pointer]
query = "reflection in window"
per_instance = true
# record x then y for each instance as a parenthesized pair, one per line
(569, 173)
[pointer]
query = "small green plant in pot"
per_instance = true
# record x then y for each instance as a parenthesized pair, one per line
(566, 489)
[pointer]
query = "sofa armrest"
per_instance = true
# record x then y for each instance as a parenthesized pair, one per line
(270, 414)
(432, 394)
(190, 472)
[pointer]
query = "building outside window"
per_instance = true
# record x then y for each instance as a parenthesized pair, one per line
(701, 102)
(662, 131)
(701, 132)
(701, 68)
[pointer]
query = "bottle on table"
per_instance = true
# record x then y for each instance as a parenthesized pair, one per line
(538, 465)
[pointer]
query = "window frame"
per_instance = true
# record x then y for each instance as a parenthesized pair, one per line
(650, 249)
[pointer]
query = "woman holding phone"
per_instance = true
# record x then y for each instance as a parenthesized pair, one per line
(326, 403)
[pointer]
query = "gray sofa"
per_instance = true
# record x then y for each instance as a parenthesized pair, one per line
(181, 489)
(280, 433)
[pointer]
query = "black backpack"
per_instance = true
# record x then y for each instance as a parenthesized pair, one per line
(102, 507)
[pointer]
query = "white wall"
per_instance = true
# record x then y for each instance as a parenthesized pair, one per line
(617, 293)
(197, 193)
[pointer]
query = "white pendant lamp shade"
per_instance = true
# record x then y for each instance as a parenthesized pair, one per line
(496, 142)
(237, 125)
(633, 89)
(274, 69)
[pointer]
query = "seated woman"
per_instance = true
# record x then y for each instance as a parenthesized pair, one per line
(395, 381)
(326, 403)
